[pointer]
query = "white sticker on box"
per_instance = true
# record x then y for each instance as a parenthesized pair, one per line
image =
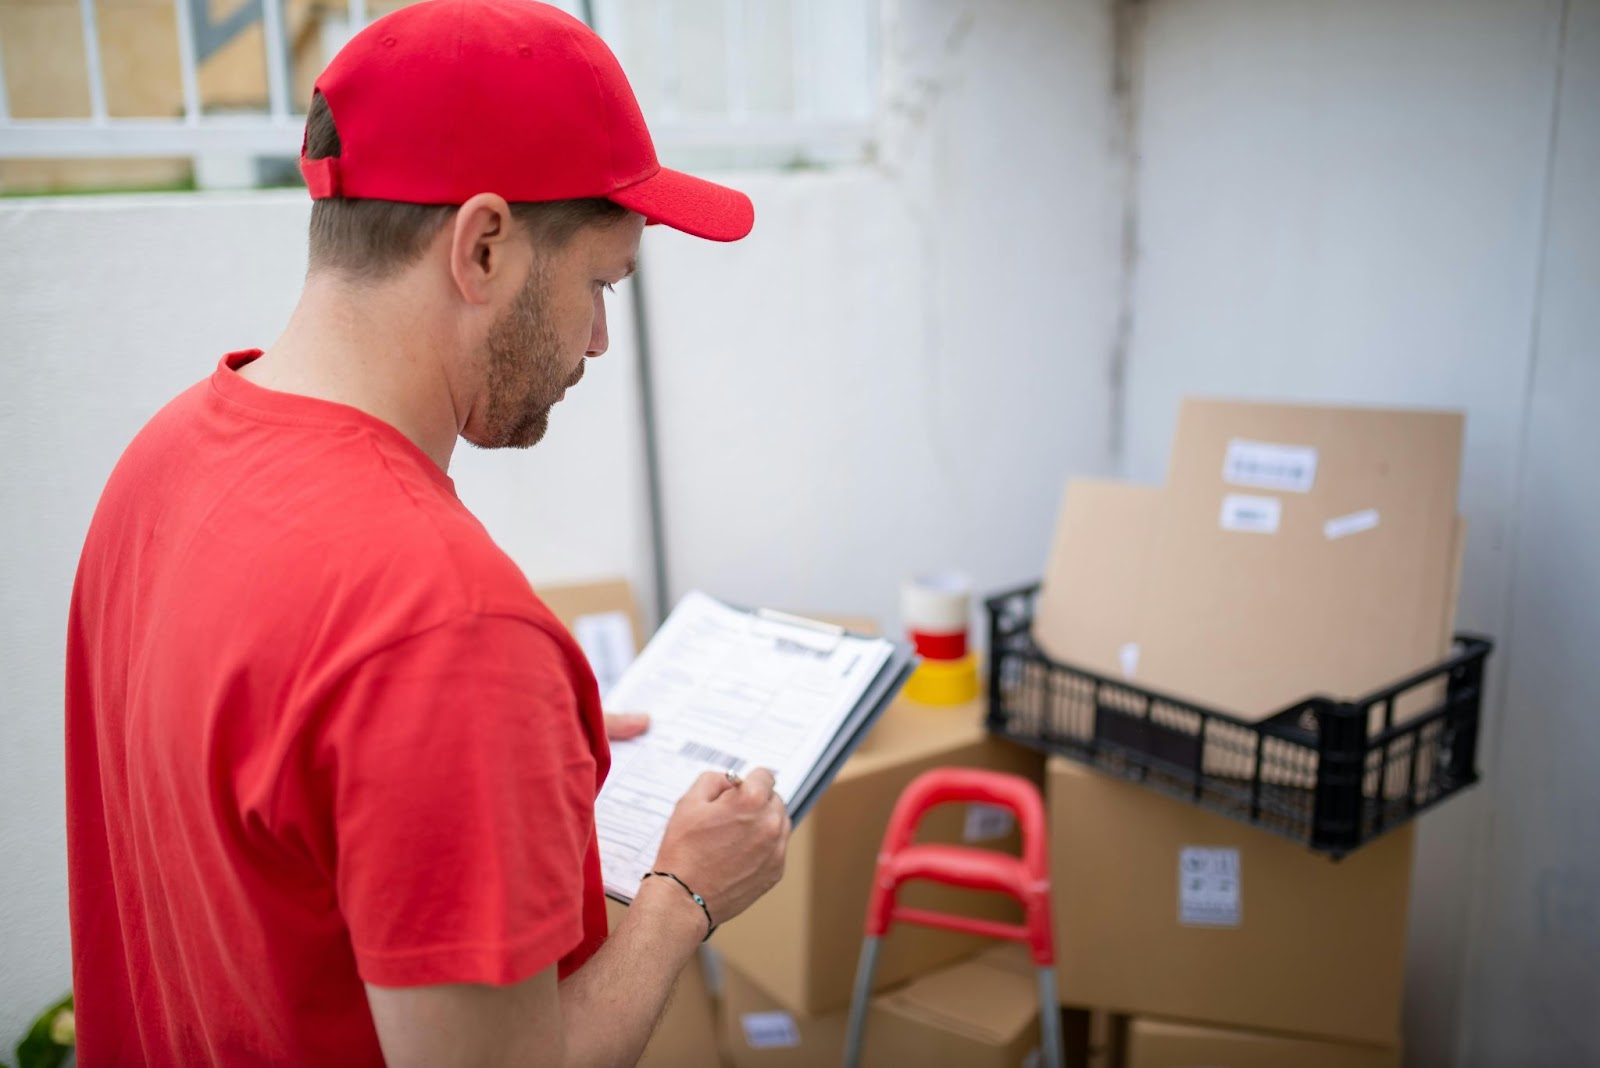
(1128, 656)
(1259, 464)
(769, 1030)
(987, 822)
(1354, 523)
(1208, 887)
(1251, 515)
(606, 639)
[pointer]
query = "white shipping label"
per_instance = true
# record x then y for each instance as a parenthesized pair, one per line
(1288, 468)
(606, 639)
(1354, 523)
(769, 1030)
(987, 822)
(1208, 887)
(1251, 515)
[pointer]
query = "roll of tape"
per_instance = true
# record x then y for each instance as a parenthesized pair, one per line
(939, 603)
(953, 682)
(951, 646)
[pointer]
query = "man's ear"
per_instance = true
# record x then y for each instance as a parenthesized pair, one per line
(481, 244)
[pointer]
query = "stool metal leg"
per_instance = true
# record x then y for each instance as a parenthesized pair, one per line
(860, 1000)
(1050, 1017)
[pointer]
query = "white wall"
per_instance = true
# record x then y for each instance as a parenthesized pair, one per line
(1346, 203)
(1533, 970)
(901, 365)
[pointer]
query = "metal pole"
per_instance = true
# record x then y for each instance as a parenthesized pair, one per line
(735, 48)
(358, 15)
(647, 417)
(860, 999)
(1050, 1018)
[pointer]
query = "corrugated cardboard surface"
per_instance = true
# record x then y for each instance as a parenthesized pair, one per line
(687, 1031)
(1250, 622)
(594, 598)
(1319, 948)
(820, 1039)
(1093, 588)
(1160, 1044)
(802, 941)
(982, 1013)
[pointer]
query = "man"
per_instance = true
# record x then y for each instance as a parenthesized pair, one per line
(331, 764)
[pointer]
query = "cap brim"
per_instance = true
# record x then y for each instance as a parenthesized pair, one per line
(693, 205)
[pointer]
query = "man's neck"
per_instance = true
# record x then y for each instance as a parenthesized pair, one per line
(369, 348)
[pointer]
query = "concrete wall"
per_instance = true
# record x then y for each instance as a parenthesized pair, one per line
(1348, 203)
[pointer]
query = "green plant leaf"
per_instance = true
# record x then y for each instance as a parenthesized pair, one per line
(38, 1049)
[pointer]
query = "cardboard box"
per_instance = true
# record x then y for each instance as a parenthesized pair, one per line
(1093, 588)
(981, 1013)
(1162, 1044)
(687, 1031)
(802, 941)
(756, 1031)
(1162, 908)
(1299, 550)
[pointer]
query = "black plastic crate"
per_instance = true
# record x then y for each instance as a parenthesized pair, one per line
(1331, 774)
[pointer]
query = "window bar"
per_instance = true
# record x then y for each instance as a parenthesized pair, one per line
(91, 60)
(188, 62)
(277, 59)
(670, 90)
(803, 73)
(736, 42)
(5, 101)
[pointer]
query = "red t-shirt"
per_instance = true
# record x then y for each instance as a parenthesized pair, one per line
(320, 731)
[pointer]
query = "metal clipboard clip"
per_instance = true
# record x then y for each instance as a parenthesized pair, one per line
(819, 637)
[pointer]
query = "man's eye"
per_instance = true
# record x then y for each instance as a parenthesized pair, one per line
(608, 287)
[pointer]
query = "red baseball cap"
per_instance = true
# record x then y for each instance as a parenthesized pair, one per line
(445, 99)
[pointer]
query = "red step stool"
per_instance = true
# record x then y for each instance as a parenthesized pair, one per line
(1027, 879)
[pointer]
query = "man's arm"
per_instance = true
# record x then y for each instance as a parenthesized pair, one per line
(728, 841)
(602, 1015)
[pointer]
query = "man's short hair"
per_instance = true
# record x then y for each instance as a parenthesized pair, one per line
(371, 240)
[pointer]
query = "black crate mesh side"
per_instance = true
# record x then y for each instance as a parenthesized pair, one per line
(1267, 774)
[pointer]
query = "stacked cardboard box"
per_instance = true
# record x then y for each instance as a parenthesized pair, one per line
(802, 941)
(788, 964)
(1162, 1044)
(1293, 551)
(980, 1013)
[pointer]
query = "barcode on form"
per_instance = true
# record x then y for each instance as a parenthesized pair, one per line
(714, 757)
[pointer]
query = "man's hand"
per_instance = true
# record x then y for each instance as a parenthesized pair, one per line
(727, 841)
(621, 726)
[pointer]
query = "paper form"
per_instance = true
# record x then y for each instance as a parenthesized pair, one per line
(725, 690)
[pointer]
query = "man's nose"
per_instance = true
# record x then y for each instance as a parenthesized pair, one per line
(599, 341)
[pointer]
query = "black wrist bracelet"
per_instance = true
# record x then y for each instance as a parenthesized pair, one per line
(711, 925)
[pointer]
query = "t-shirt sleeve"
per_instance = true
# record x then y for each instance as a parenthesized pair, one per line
(463, 801)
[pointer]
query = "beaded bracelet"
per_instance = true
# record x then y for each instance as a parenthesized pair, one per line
(711, 925)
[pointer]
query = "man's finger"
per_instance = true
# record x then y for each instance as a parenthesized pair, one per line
(759, 785)
(621, 726)
(709, 786)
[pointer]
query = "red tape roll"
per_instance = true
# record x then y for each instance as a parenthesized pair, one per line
(951, 646)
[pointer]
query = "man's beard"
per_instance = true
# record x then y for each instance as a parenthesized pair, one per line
(525, 370)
